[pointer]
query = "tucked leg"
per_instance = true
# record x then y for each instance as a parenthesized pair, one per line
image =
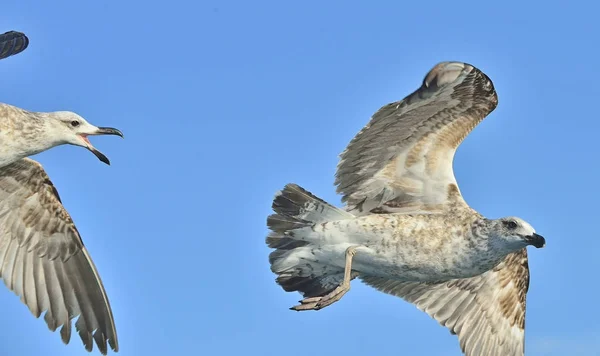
(317, 303)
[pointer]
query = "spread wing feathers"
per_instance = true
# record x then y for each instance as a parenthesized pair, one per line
(402, 159)
(12, 43)
(43, 260)
(487, 312)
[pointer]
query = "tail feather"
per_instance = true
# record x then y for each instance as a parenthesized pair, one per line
(296, 208)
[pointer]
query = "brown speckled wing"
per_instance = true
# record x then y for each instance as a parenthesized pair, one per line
(487, 312)
(402, 159)
(43, 260)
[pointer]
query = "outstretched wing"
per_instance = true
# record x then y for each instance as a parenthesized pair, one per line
(402, 159)
(43, 260)
(402, 162)
(12, 43)
(487, 312)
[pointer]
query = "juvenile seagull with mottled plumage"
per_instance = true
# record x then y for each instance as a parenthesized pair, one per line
(42, 257)
(406, 230)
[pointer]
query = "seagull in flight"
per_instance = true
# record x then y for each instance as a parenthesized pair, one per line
(406, 229)
(42, 256)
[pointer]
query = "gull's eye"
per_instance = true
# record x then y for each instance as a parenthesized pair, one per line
(74, 123)
(511, 224)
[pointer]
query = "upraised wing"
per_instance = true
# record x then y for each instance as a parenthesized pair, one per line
(402, 159)
(43, 260)
(12, 43)
(402, 162)
(487, 312)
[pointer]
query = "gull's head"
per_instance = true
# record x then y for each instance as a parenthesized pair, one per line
(517, 233)
(74, 130)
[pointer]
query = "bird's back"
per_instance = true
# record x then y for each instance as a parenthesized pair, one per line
(22, 134)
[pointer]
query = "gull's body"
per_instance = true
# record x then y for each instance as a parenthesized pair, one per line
(404, 247)
(406, 230)
(42, 256)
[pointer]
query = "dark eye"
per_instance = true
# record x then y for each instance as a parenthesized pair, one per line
(74, 123)
(511, 224)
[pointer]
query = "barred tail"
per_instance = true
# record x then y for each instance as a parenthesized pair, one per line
(292, 260)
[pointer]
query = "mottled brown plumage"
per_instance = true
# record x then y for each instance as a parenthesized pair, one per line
(441, 122)
(42, 257)
(494, 301)
(425, 127)
(44, 261)
(400, 166)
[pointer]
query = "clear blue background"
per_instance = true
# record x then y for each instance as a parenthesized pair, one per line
(223, 102)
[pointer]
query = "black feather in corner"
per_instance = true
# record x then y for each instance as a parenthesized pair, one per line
(11, 43)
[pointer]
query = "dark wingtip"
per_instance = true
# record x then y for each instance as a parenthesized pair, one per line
(457, 74)
(11, 43)
(445, 73)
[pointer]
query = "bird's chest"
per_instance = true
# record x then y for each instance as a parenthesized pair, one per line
(472, 262)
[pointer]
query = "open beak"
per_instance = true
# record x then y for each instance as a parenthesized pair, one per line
(536, 240)
(100, 131)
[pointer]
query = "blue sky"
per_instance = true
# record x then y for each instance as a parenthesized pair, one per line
(224, 102)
